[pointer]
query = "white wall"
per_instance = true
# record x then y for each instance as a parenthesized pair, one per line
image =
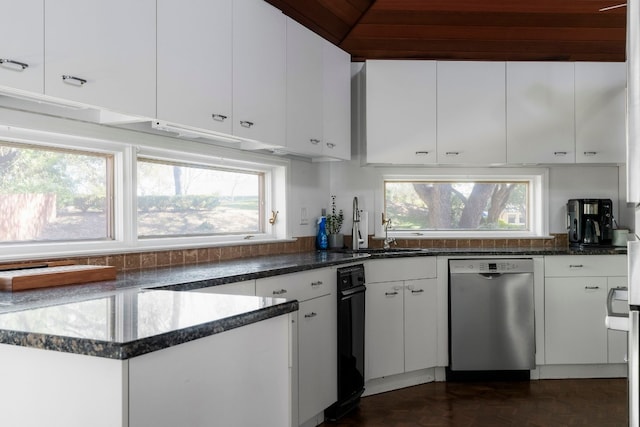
(309, 190)
(348, 179)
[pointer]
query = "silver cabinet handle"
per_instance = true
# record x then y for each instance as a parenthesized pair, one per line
(422, 153)
(591, 288)
(314, 141)
(22, 65)
(559, 153)
(590, 153)
(417, 291)
(331, 145)
(312, 314)
(73, 80)
(576, 265)
(318, 283)
(280, 292)
(391, 294)
(219, 117)
(246, 123)
(452, 153)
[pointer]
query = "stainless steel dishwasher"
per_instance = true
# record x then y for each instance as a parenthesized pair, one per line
(491, 319)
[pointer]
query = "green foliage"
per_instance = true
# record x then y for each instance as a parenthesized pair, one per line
(181, 203)
(335, 218)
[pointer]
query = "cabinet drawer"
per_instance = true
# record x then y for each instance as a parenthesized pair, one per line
(585, 265)
(411, 268)
(301, 286)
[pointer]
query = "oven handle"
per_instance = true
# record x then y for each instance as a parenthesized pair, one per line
(352, 291)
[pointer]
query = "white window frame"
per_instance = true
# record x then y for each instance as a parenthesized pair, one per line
(538, 179)
(125, 146)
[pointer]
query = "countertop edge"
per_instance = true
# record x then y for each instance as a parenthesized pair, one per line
(124, 351)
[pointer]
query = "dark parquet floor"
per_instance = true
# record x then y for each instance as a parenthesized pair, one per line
(542, 403)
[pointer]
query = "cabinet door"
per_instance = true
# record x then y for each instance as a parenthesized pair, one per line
(194, 63)
(471, 112)
(540, 112)
(302, 286)
(574, 320)
(259, 70)
(304, 90)
(384, 330)
(102, 53)
(600, 112)
(401, 112)
(247, 287)
(336, 112)
(617, 340)
(420, 324)
(317, 356)
(22, 45)
(398, 269)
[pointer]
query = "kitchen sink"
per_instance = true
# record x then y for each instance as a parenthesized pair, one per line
(394, 250)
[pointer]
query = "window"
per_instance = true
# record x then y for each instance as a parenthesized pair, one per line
(480, 205)
(71, 193)
(49, 194)
(176, 199)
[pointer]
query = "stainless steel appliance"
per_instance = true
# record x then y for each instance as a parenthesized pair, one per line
(351, 297)
(491, 319)
(590, 222)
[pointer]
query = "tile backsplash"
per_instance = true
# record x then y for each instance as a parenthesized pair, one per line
(143, 260)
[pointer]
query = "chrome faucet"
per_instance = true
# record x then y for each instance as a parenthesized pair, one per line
(355, 229)
(386, 223)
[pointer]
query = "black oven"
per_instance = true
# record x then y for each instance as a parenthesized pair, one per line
(351, 300)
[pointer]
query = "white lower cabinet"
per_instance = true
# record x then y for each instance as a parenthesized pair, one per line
(317, 356)
(247, 287)
(400, 317)
(574, 320)
(575, 307)
(236, 378)
(314, 384)
(400, 327)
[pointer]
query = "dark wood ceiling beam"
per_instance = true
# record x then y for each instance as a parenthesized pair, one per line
(497, 46)
(421, 32)
(475, 19)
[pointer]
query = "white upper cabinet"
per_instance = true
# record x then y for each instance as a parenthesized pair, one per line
(102, 53)
(600, 112)
(401, 112)
(540, 112)
(195, 63)
(471, 113)
(259, 72)
(304, 90)
(336, 112)
(22, 45)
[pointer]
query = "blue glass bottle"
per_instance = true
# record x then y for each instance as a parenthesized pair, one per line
(322, 241)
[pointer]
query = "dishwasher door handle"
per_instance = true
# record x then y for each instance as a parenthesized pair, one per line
(490, 276)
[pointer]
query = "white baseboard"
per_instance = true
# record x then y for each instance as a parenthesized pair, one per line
(407, 379)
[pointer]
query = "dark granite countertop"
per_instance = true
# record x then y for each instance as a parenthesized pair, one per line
(153, 292)
(135, 322)
(81, 318)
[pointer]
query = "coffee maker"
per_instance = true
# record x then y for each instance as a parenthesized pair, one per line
(590, 222)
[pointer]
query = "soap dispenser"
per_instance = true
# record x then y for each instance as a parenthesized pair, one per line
(322, 241)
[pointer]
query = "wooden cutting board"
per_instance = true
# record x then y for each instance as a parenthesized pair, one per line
(20, 277)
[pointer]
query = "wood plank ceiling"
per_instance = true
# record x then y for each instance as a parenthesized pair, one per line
(491, 30)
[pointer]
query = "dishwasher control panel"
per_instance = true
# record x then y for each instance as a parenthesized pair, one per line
(462, 266)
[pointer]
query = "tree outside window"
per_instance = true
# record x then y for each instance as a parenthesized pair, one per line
(457, 205)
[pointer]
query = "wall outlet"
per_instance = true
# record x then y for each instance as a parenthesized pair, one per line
(304, 219)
